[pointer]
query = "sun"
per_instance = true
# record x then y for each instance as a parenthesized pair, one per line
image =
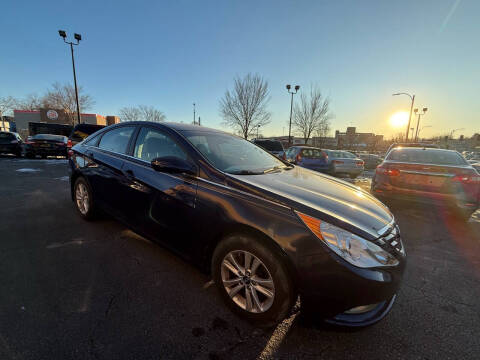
(399, 119)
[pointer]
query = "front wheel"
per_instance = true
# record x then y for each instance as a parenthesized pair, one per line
(253, 280)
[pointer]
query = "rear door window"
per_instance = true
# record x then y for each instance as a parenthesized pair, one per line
(117, 140)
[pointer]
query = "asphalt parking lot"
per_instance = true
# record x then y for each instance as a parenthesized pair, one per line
(96, 290)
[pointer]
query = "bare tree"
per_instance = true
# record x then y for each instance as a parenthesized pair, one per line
(141, 113)
(312, 112)
(245, 107)
(149, 113)
(31, 102)
(130, 113)
(322, 131)
(63, 97)
(7, 105)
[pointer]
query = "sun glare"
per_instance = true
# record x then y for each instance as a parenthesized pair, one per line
(399, 119)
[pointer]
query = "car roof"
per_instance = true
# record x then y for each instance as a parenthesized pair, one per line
(180, 127)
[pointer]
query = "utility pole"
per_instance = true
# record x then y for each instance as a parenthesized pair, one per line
(412, 97)
(199, 123)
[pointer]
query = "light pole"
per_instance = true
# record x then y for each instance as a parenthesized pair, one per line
(418, 120)
(291, 109)
(423, 127)
(411, 108)
(258, 127)
(77, 37)
(193, 113)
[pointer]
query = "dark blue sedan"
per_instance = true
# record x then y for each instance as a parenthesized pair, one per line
(267, 230)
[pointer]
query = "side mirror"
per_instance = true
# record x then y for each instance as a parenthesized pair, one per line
(173, 165)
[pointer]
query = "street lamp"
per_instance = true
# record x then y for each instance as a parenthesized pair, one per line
(291, 108)
(193, 113)
(258, 127)
(418, 120)
(77, 37)
(411, 108)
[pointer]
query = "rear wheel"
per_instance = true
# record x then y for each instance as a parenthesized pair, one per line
(253, 280)
(83, 199)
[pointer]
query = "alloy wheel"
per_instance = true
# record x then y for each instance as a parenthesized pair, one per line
(247, 281)
(81, 196)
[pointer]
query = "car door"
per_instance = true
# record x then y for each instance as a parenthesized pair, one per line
(160, 205)
(105, 171)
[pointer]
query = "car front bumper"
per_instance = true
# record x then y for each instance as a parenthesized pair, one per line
(331, 287)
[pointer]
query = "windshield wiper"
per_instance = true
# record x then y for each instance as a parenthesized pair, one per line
(246, 172)
(275, 168)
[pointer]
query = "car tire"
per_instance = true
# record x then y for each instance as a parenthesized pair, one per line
(30, 156)
(83, 199)
(353, 176)
(267, 283)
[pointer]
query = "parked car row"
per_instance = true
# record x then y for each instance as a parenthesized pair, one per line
(44, 144)
(333, 162)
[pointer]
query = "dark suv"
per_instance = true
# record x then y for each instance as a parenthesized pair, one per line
(80, 132)
(274, 147)
(10, 143)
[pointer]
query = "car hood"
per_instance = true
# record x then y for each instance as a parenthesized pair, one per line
(323, 196)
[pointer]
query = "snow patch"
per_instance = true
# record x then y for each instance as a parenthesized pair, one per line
(27, 170)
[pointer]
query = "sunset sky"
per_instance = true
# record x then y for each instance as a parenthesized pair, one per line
(172, 53)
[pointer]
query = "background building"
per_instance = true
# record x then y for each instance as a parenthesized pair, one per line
(55, 116)
(352, 140)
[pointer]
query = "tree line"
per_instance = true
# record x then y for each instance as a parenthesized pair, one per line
(244, 109)
(62, 97)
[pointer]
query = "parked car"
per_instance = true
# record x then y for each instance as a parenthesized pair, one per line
(46, 145)
(268, 231)
(308, 157)
(371, 161)
(11, 143)
(81, 132)
(274, 147)
(433, 176)
(412, 144)
(342, 162)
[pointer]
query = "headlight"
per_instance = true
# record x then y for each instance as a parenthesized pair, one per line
(354, 249)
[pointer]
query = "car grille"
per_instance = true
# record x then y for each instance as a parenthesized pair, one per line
(392, 241)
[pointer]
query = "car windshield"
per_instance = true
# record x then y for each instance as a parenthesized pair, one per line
(270, 145)
(49, 137)
(424, 156)
(232, 154)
